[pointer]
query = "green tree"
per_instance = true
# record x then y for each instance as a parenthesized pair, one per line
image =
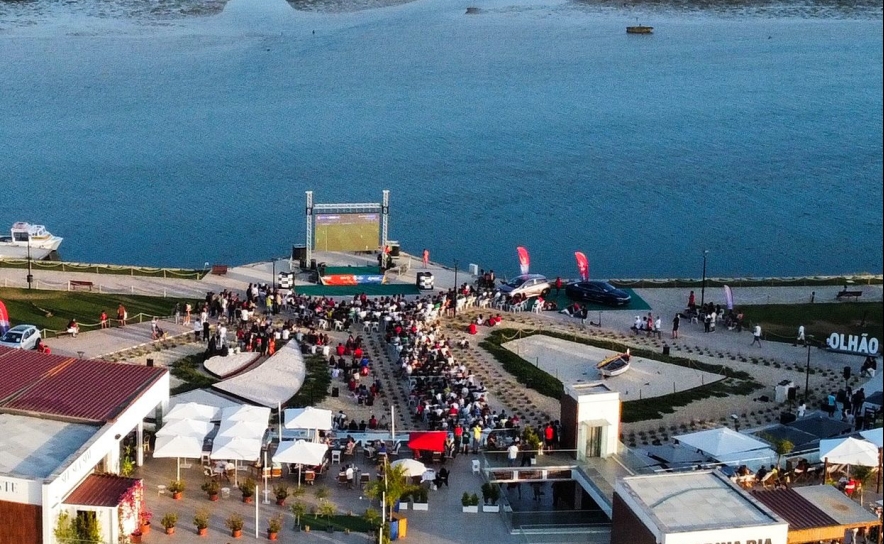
(782, 447)
(391, 487)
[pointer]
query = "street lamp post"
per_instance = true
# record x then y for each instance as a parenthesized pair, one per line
(273, 277)
(807, 368)
(703, 285)
(454, 311)
(30, 276)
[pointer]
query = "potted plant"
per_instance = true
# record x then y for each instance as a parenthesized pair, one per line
(327, 510)
(470, 503)
(235, 523)
(490, 496)
(212, 487)
(144, 518)
(402, 503)
(421, 498)
(274, 526)
(248, 489)
(281, 492)
(298, 510)
(201, 521)
(176, 488)
(535, 444)
(169, 521)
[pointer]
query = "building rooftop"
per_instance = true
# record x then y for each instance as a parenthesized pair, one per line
(101, 490)
(74, 389)
(695, 501)
(33, 447)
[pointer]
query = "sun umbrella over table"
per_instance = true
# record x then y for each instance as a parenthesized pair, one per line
(192, 410)
(412, 467)
(300, 452)
(186, 427)
(178, 446)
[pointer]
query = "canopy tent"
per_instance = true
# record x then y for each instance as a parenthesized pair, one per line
(308, 418)
(192, 410)
(244, 429)
(849, 451)
(721, 441)
(753, 459)
(300, 452)
(875, 436)
(411, 467)
(187, 427)
(427, 440)
(178, 446)
(246, 412)
(236, 448)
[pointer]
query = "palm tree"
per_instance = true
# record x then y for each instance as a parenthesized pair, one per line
(391, 487)
(782, 447)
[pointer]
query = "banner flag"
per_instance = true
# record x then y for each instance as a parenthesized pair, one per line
(524, 260)
(4, 319)
(729, 297)
(582, 265)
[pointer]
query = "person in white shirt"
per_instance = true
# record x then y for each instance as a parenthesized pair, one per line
(512, 453)
(801, 334)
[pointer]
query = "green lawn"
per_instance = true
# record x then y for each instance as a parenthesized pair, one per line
(53, 309)
(780, 322)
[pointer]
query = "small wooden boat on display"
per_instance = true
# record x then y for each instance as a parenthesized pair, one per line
(614, 365)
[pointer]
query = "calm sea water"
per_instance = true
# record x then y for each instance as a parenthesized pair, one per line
(176, 134)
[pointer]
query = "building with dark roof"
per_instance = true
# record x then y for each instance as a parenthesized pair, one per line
(62, 421)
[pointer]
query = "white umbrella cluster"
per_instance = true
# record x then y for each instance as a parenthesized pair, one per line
(241, 434)
(184, 432)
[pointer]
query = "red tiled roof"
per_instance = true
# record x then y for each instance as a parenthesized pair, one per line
(22, 368)
(100, 490)
(795, 509)
(77, 389)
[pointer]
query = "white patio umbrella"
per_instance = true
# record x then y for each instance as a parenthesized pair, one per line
(186, 427)
(244, 429)
(178, 446)
(300, 452)
(192, 410)
(309, 418)
(246, 412)
(237, 449)
(849, 451)
(412, 467)
(875, 436)
(721, 441)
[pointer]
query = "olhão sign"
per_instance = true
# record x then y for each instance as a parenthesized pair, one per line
(852, 343)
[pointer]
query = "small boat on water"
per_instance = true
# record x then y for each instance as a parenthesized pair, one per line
(640, 29)
(27, 239)
(614, 365)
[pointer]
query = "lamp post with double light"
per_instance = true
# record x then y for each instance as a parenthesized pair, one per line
(30, 276)
(808, 342)
(454, 302)
(703, 285)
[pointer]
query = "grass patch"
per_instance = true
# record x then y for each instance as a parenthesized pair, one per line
(356, 524)
(188, 370)
(53, 309)
(736, 382)
(316, 383)
(780, 322)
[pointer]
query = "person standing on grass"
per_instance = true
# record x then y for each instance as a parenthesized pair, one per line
(122, 315)
(102, 320)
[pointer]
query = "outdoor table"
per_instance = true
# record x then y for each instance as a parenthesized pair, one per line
(428, 476)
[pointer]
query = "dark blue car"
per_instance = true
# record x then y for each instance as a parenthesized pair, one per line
(598, 292)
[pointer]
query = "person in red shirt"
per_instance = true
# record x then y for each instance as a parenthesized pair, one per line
(548, 435)
(340, 350)
(558, 285)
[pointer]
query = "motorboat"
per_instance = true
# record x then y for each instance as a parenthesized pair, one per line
(28, 241)
(640, 29)
(614, 365)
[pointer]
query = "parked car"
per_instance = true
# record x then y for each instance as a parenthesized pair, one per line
(21, 337)
(599, 292)
(530, 285)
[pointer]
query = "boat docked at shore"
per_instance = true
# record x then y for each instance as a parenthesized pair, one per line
(614, 365)
(28, 241)
(639, 29)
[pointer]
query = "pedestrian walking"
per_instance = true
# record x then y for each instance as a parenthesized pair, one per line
(756, 336)
(676, 321)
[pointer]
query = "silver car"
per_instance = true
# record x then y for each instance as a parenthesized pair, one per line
(21, 337)
(530, 285)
